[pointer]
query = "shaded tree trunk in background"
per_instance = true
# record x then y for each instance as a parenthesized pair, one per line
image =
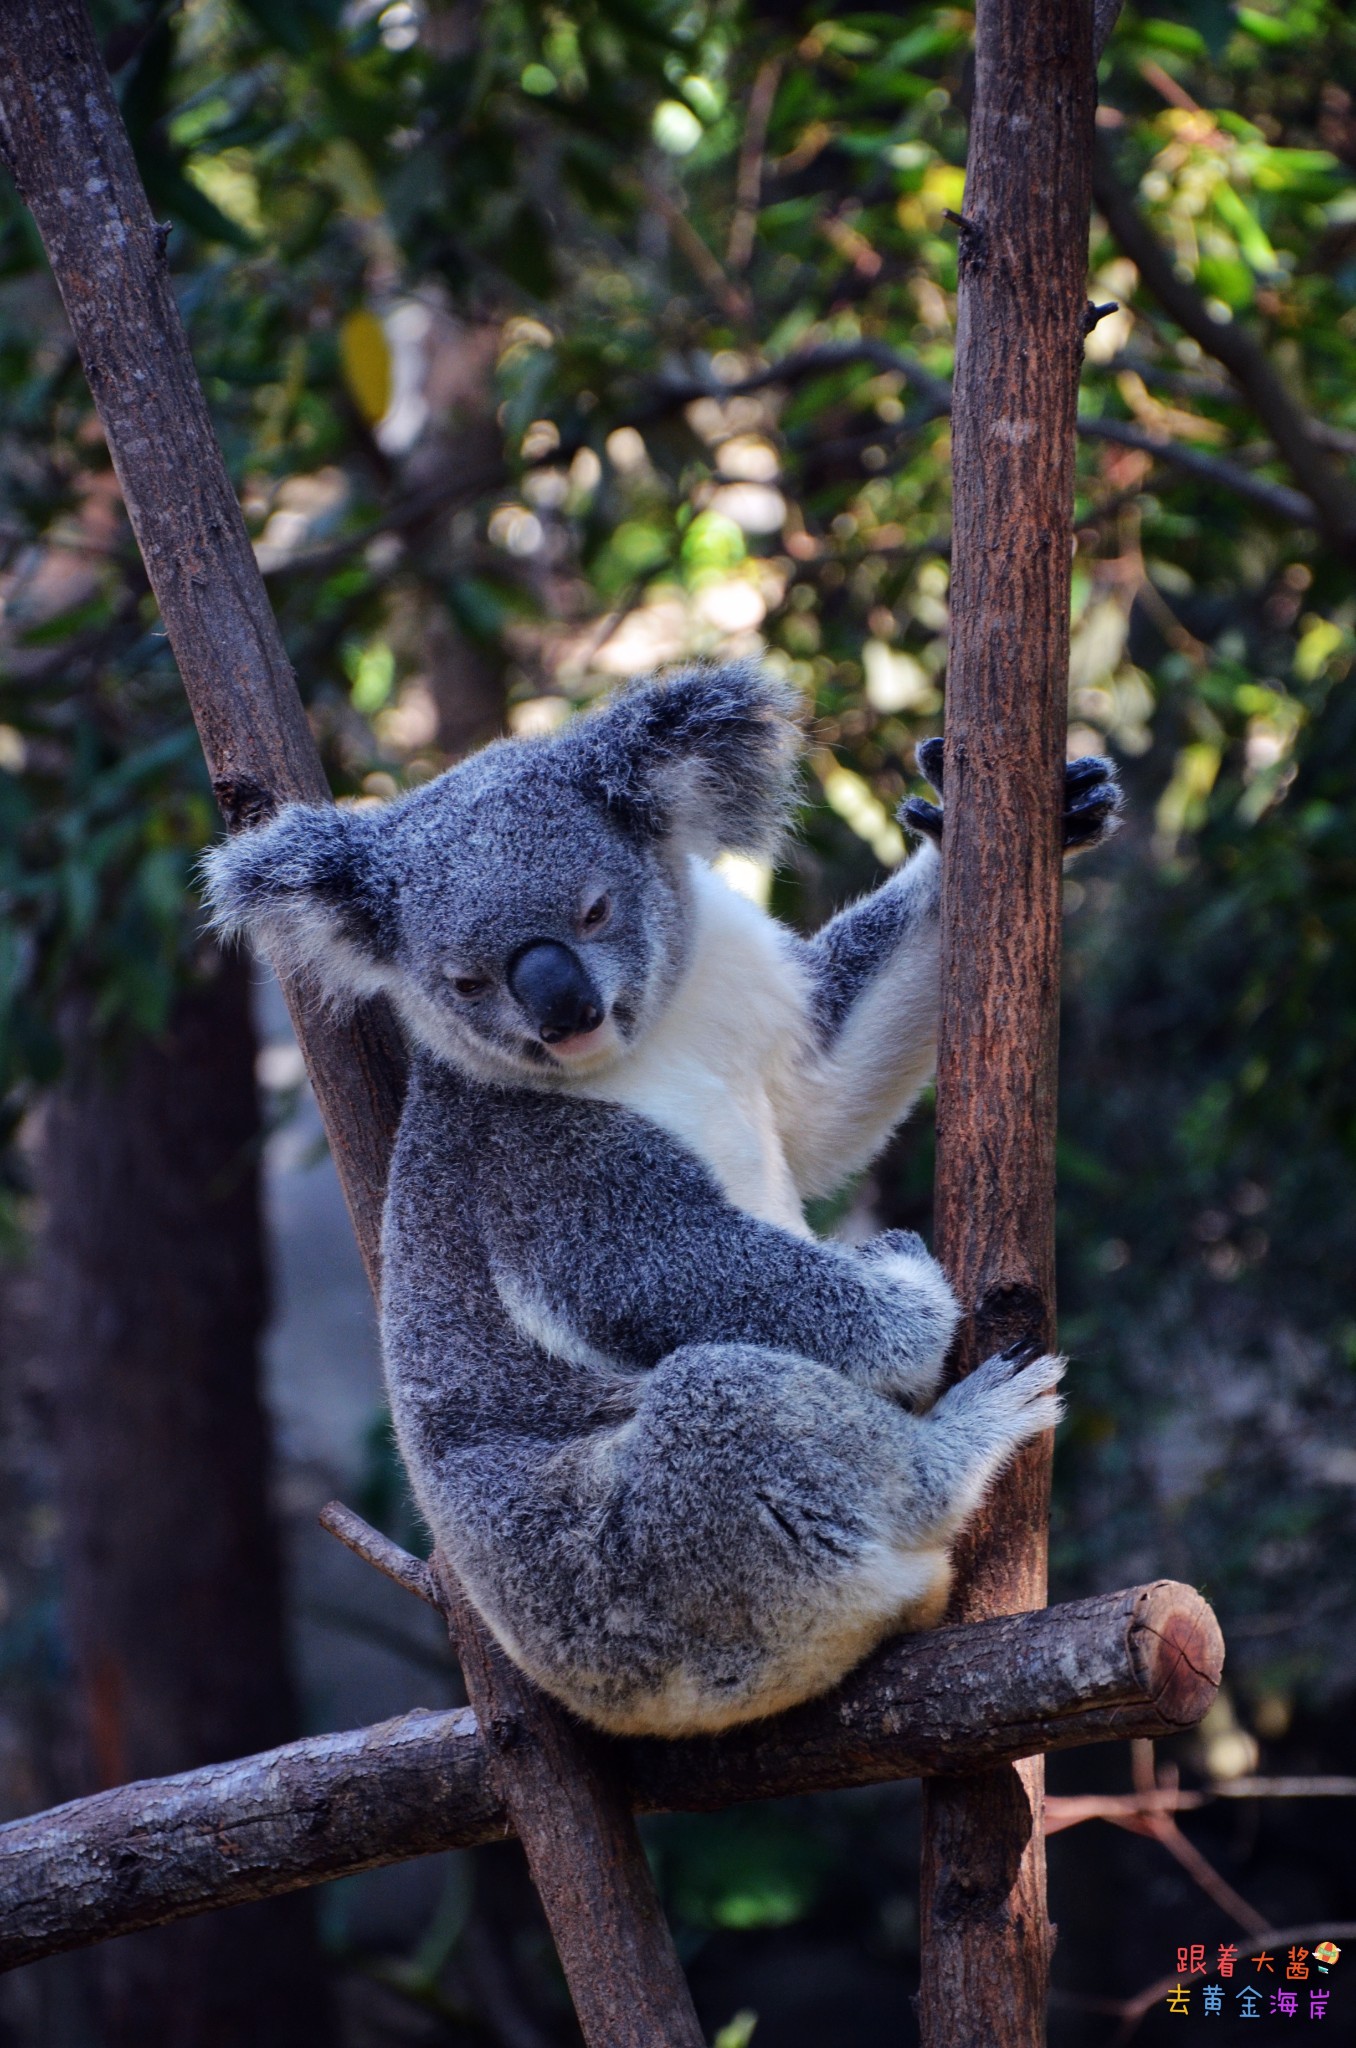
(467, 687)
(466, 677)
(156, 1294)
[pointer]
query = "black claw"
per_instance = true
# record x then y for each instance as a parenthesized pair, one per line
(1081, 832)
(929, 755)
(1087, 770)
(1022, 1352)
(923, 818)
(1097, 802)
(1092, 819)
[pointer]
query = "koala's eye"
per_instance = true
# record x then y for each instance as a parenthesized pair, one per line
(470, 984)
(597, 914)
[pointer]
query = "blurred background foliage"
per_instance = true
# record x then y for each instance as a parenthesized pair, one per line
(551, 343)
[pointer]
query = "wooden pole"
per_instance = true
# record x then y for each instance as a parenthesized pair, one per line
(63, 141)
(1019, 345)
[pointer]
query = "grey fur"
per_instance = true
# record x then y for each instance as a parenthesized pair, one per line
(686, 1459)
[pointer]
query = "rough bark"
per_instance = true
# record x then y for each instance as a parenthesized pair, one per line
(1142, 1662)
(154, 1297)
(557, 1786)
(1104, 15)
(1019, 345)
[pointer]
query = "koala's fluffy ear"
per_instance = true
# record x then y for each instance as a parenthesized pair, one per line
(308, 889)
(706, 756)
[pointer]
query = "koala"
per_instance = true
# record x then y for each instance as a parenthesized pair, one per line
(687, 1460)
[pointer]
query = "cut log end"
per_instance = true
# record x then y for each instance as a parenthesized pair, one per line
(1177, 1649)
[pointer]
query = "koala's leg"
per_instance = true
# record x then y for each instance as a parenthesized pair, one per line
(755, 1529)
(967, 1437)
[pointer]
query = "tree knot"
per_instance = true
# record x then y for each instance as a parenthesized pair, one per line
(243, 802)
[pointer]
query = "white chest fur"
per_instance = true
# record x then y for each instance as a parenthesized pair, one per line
(723, 1051)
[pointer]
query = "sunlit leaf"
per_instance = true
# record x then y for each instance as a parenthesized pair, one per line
(366, 357)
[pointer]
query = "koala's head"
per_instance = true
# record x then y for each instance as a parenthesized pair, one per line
(529, 911)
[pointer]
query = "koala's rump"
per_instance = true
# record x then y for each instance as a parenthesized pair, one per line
(721, 1554)
(668, 1539)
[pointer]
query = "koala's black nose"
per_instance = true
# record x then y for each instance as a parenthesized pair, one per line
(553, 988)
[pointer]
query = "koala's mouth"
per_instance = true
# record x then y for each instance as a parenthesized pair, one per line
(579, 1046)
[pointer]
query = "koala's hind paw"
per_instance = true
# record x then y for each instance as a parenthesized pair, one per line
(1011, 1394)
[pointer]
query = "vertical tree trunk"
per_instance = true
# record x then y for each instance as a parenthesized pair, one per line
(156, 1292)
(1019, 344)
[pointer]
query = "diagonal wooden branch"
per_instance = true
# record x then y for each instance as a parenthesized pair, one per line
(381, 1553)
(65, 146)
(1104, 14)
(554, 1781)
(749, 177)
(559, 1785)
(62, 140)
(1277, 499)
(1142, 1662)
(1231, 343)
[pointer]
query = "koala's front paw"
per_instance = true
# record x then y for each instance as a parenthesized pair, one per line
(1092, 800)
(919, 1315)
(896, 1244)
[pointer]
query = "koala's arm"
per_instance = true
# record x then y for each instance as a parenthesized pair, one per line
(873, 990)
(621, 1245)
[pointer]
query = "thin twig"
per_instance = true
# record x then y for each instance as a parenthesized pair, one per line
(732, 299)
(1285, 1788)
(674, 396)
(1178, 636)
(1278, 499)
(1104, 13)
(380, 1552)
(1170, 89)
(749, 180)
(1124, 1808)
(1163, 1828)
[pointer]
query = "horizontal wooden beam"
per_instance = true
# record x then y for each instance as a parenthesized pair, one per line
(1142, 1662)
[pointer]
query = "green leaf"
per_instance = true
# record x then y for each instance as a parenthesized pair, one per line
(1265, 27)
(169, 191)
